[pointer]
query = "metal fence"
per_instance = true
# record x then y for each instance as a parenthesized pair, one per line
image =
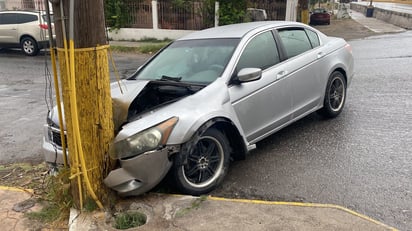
(275, 10)
(139, 14)
(22, 5)
(192, 15)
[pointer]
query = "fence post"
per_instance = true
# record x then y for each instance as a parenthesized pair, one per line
(155, 15)
(216, 14)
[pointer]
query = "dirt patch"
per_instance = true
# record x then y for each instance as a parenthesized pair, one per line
(348, 29)
(25, 176)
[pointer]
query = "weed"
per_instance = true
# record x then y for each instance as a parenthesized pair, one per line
(58, 197)
(90, 205)
(155, 40)
(151, 48)
(129, 220)
(124, 49)
(195, 205)
(144, 48)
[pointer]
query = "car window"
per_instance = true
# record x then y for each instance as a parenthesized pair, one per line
(25, 18)
(295, 41)
(261, 52)
(7, 18)
(313, 37)
(17, 18)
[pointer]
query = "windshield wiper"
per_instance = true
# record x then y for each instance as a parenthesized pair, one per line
(170, 78)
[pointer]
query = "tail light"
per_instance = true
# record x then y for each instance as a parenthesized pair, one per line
(44, 26)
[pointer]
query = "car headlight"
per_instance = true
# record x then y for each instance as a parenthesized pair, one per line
(147, 140)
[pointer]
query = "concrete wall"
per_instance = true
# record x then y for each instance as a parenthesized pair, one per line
(403, 20)
(131, 34)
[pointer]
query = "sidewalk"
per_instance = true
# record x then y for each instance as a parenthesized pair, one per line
(374, 24)
(177, 212)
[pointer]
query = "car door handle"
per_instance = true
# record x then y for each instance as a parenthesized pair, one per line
(281, 74)
(320, 55)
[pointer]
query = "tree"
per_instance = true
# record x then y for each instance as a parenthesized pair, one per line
(232, 11)
(86, 96)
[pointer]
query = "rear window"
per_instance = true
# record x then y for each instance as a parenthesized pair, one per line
(25, 18)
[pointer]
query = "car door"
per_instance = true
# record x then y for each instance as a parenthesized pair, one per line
(8, 28)
(303, 66)
(262, 105)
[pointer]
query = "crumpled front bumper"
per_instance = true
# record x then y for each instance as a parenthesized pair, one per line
(136, 175)
(139, 174)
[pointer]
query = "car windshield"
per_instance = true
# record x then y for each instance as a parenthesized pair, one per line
(197, 61)
(317, 11)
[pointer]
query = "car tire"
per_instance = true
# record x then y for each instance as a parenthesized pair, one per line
(206, 164)
(29, 46)
(335, 95)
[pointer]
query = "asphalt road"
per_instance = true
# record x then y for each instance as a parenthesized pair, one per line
(361, 160)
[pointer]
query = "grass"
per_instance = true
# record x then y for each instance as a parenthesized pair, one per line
(129, 220)
(143, 48)
(195, 205)
(58, 199)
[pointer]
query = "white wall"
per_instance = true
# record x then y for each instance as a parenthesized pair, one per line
(138, 34)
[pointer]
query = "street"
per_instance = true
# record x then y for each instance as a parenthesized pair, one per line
(361, 160)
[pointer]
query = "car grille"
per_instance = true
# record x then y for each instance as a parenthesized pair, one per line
(55, 137)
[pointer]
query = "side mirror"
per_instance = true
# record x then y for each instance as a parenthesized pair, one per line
(249, 74)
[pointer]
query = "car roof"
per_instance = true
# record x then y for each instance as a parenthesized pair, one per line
(23, 11)
(237, 30)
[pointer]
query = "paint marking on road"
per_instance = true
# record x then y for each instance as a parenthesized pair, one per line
(302, 204)
(7, 188)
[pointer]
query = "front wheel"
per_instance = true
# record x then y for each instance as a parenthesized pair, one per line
(335, 95)
(206, 164)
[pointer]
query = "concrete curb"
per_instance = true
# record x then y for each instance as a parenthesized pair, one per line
(179, 212)
(301, 204)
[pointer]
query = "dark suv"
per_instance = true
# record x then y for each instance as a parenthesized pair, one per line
(25, 29)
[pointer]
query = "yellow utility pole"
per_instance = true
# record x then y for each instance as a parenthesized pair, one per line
(84, 70)
(304, 11)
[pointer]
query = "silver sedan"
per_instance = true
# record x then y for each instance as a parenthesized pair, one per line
(207, 98)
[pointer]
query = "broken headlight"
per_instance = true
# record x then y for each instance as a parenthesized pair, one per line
(147, 140)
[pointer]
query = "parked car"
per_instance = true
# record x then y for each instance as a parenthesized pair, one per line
(320, 17)
(27, 30)
(208, 97)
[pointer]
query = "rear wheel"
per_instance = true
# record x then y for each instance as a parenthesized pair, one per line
(206, 164)
(335, 95)
(29, 46)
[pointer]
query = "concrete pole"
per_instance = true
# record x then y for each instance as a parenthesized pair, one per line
(291, 10)
(216, 14)
(155, 17)
(84, 71)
